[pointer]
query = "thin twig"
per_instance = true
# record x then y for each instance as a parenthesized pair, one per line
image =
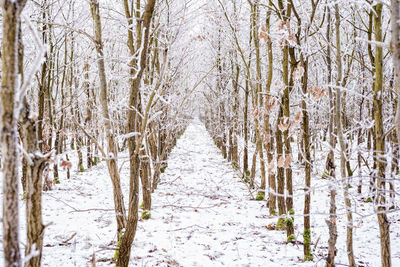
(69, 239)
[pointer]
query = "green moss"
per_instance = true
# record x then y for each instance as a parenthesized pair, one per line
(307, 242)
(95, 161)
(121, 233)
(272, 213)
(350, 171)
(247, 173)
(368, 200)
(142, 205)
(246, 180)
(235, 166)
(289, 222)
(24, 195)
(291, 212)
(56, 180)
(281, 225)
(325, 174)
(260, 196)
(81, 168)
(162, 170)
(308, 258)
(290, 238)
(146, 215)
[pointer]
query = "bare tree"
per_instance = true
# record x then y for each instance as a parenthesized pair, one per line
(111, 157)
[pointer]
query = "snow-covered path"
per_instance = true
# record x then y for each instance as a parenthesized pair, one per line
(203, 216)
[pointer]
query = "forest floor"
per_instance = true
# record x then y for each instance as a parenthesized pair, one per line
(203, 215)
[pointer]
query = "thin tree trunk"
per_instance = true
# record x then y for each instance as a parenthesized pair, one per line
(280, 177)
(395, 49)
(112, 151)
(257, 95)
(330, 163)
(339, 121)
(235, 155)
(268, 139)
(380, 142)
(307, 162)
(246, 131)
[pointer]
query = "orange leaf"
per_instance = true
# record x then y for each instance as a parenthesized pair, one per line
(284, 124)
(297, 116)
(267, 139)
(288, 160)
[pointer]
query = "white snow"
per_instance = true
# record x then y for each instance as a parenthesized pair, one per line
(202, 216)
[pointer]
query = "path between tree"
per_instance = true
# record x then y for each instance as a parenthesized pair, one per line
(203, 216)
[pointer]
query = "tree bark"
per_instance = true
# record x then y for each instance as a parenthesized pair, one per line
(339, 122)
(395, 49)
(37, 163)
(112, 149)
(268, 138)
(380, 142)
(134, 123)
(330, 163)
(9, 134)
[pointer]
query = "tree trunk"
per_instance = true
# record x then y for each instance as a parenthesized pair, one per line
(380, 142)
(330, 163)
(306, 139)
(134, 122)
(395, 49)
(8, 132)
(35, 168)
(339, 121)
(268, 138)
(112, 151)
(246, 132)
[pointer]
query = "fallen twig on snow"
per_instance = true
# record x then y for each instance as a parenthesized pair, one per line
(190, 207)
(183, 228)
(65, 242)
(94, 209)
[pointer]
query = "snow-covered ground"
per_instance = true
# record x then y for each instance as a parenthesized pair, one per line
(202, 215)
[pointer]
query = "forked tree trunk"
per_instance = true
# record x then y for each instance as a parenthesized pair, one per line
(134, 124)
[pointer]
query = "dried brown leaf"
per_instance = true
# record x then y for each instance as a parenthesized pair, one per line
(288, 161)
(281, 161)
